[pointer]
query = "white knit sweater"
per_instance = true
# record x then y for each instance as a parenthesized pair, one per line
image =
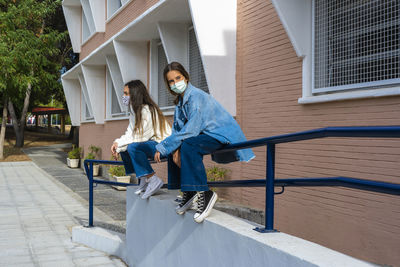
(149, 133)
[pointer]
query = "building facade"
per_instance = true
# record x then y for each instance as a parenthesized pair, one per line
(278, 66)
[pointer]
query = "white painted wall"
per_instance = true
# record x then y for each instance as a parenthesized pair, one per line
(96, 90)
(89, 16)
(215, 26)
(296, 18)
(157, 236)
(98, 8)
(154, 69)
(132, 60)
(174, 37)
(73, 16)
(72, 91)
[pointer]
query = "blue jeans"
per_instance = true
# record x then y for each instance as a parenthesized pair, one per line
(136, 158)
(192, 174)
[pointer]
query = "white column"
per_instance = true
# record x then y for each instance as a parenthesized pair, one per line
(132, 60)
(98, 8)
(72, 91)
(174, 37)
(73, 18)
(96, 88)
(216, 36)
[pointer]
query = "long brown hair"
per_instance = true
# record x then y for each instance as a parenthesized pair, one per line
(178, 67)
(139, 96)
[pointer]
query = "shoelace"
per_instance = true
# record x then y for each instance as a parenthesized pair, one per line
(200, 202)
(185, 198)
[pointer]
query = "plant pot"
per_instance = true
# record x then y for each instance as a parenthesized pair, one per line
(96, 169)
(74, 163)
(68, 162)
(121, 179)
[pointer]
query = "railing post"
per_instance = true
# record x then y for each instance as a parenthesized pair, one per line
(90, 194)
(269, 191)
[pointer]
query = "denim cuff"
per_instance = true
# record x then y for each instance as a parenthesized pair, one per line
(160, 148)
(194, 188)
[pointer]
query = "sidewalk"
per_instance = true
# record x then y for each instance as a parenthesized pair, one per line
(36, 216)
(52, 160)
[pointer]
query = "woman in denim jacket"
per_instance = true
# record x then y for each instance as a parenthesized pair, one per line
(147, 127)
(201, 126)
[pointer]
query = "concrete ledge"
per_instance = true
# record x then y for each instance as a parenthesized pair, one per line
(157, 236)
(108, 241)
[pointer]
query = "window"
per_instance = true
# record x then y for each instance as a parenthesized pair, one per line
(85, 28)
(87, 115)
(113, 108)
(112, 7)
(165, 98)
(86, 109)
(196, 70)
(356, 44)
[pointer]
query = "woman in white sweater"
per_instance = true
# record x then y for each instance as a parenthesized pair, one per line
(147, 127)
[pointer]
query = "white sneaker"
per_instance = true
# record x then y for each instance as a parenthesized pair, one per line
(155, 184)
(142, 186)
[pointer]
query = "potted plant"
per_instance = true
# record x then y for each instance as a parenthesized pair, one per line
(94, 152)
(73, 157)
(118, 174)
(215, 174)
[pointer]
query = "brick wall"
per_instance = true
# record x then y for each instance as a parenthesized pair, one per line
(130, 12)
(269, 82)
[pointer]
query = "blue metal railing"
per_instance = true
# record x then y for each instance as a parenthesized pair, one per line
(270, 182)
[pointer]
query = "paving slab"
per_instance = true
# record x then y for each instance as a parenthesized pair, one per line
(36, 218)
(52, 160)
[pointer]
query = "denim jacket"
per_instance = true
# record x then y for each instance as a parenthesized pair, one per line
(198, 112)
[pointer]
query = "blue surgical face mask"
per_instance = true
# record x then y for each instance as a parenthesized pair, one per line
(179, 87)
(125, 100)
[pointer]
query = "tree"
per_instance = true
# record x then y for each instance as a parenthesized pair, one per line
(29, 50)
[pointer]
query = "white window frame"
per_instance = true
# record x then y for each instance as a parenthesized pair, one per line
(296, 17)
(84, 116)
(111, 8)
(110, 17)
(333, 89)
(109, 90)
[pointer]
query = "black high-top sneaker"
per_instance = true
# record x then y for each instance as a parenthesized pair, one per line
(187, 200)
(205, 203)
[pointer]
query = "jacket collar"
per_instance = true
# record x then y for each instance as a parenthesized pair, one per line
(188, 92)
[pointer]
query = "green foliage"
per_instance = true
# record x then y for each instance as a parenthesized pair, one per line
(29, 49)
(75, 153)
(90, 156)
(94, 152)
(216, 173)
(117, 170)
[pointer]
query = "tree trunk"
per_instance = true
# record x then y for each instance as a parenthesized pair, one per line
(19, 125)
(3, 129)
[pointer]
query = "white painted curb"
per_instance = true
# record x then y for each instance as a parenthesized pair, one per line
(108, 241)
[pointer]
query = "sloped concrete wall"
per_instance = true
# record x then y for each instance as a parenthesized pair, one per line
(157, 236)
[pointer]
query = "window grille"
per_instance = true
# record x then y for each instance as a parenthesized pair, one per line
(165, 98)
(356, 44)
(196, 70)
